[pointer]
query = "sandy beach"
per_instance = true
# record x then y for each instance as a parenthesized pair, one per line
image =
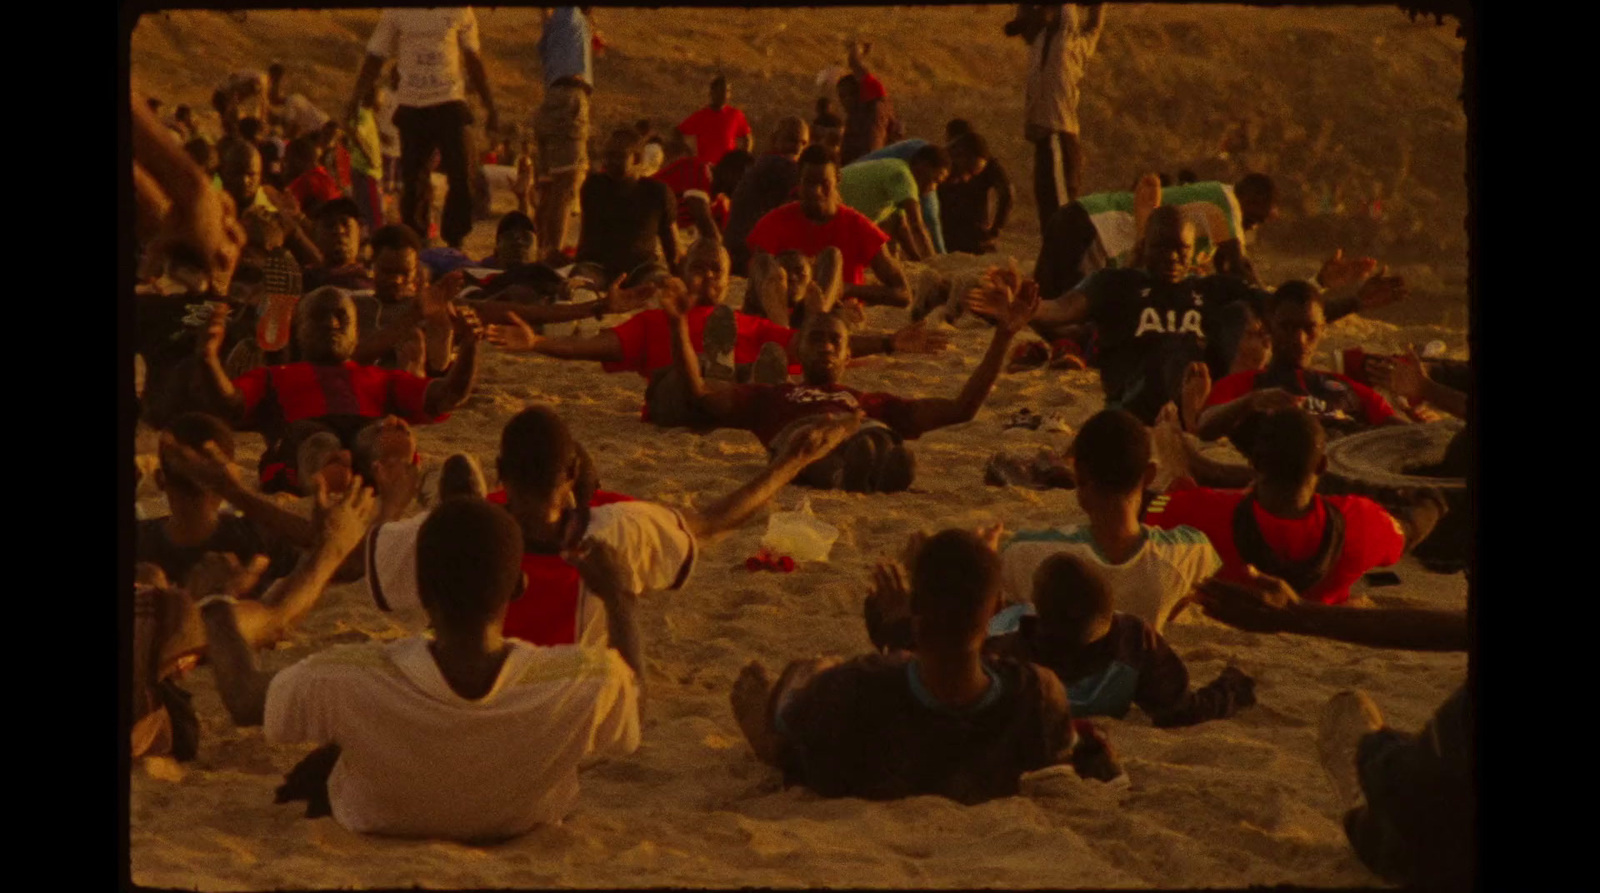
(1229, 803)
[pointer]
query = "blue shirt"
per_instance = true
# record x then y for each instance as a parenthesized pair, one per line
(564, 47)
(902, 150)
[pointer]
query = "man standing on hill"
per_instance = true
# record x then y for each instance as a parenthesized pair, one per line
(431, 49)
(561, 125)
(1061, 38)
(719, 128)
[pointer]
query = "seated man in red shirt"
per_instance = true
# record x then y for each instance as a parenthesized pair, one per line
(821, 220)
(643, 343)
(718, 128)
(1281, 527)
(689, 177)
(309, 182)
(875, 459)
(327, 391)
(1295, 317)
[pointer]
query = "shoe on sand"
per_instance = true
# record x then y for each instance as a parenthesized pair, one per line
(721, 334)
(461, 476)
(1348, 717)
(772, 365)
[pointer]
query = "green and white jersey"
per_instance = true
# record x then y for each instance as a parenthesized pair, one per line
(1211, 206)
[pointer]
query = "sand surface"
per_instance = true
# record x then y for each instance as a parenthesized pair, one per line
(1229, 803)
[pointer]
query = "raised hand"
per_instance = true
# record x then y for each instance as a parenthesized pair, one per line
(1020, 308)
(623, 300)
(1259, 605)
(890, 592)
(342, 521)
(602, 569)
(1338, 270)
(210, 343)
(518, 335)
(1381, 291)
(673, 298)
(992, 535)
(208, 468)
(465, 324)
(920, 338)
(204, 229)
(220, 573)
(433, 301)
(820, 439)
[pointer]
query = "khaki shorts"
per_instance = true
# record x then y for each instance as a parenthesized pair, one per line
(561, 127)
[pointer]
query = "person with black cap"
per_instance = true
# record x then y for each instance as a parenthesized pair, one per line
(336, 229)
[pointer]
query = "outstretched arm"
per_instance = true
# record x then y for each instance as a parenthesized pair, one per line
(1220, 420)
(1268, 605)
(211, 380)
(893, 292)
(732, 510)
(930, 413)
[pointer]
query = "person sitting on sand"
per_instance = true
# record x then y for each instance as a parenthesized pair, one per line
(327, 391)
(628, 222)
(943, 719)
(1283, 527)
(336, 226)
(1150, 570)
(552, 491)
(170, 635)
(1295, 318)
(376, 708)
(1107, 660)
(177, 542)
(964, 197)
(890, 191)
(405, 321)
(239, 169)
(768, 184)
(643, 343)
(717, 129)
(819, 220)
(875, 460)
(1102, 230)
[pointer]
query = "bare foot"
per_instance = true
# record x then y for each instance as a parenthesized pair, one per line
(1196, 388)
(1171, 451)
(1348, 717)
(751, 696)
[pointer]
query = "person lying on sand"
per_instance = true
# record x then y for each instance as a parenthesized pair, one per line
(1149, 570)
(377, 707)
(170, 634)
(943, 719)
(876, 459)
(819, 220)
(196, 526)
(1283, 527)
(327, 391)
(1107, 660)
(557, 504)
(1296, 319)
(643, 343)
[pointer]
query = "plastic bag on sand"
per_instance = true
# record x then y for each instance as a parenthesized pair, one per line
(800, 535)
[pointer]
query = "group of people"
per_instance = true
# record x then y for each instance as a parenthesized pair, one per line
(305, 317)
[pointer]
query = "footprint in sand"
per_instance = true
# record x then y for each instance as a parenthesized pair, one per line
(1230, 754)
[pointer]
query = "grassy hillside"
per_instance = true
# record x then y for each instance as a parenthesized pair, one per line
(1342, 105)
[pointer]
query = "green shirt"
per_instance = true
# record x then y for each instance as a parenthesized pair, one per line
(878, 188)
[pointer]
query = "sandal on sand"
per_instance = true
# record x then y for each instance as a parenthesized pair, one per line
(1046, 470)
(277, 319)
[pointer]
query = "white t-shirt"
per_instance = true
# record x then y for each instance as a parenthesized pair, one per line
(418, 760)
(426, 45)
(1148, 585)
(653, 540)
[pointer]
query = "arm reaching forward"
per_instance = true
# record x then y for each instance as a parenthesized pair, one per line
(930, 413)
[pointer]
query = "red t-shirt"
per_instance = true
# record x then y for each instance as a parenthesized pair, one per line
(1329, 393)
(547, 611)
(765, 409)
(1372, 537)
(314, 187)
(872, 88)
(284, 394)
(716, 131)
(787, 228)
(647, 339)
(684, 176)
